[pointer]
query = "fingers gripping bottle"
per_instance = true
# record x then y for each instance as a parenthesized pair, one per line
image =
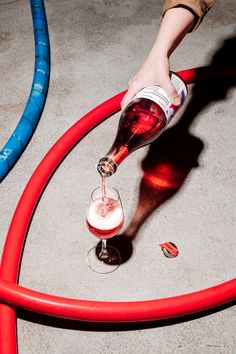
(141, 122)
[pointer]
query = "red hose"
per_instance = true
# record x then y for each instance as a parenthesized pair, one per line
(101, 311)
(15, 295)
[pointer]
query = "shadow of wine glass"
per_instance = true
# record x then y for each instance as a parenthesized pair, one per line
(171, 158)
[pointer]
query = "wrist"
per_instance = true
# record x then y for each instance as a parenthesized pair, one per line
(158, 59)
(161, 50)
(160, 53)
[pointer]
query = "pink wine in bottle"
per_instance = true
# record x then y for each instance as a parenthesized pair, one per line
(141, 122)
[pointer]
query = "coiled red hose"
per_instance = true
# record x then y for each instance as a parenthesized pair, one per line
(14, 295)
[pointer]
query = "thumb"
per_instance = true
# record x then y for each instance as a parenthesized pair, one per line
(172, 93)
(132, 91)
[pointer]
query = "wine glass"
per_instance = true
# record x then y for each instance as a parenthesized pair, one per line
(104, 219)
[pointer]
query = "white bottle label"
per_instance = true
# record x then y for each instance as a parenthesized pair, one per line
(159, 96)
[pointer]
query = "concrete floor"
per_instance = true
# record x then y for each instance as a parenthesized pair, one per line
(96, 46)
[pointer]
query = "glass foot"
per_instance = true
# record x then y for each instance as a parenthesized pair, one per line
(103, 263)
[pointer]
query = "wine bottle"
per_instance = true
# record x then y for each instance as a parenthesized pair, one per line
(141, 122)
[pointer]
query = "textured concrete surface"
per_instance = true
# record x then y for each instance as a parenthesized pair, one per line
(96, 46)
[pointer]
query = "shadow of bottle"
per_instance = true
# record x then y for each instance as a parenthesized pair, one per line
(175, 153)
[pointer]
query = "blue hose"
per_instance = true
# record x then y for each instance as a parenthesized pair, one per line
(18, 141)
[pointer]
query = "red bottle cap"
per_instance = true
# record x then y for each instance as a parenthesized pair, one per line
(169, 249)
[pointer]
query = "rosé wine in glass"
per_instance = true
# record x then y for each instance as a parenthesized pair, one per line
(104, 220)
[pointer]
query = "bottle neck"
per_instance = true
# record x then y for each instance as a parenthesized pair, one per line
(118, 154)
(107, 165)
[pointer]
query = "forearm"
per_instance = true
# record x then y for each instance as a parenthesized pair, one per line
(176, 23)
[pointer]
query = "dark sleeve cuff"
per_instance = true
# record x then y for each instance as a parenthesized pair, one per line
(198, 7)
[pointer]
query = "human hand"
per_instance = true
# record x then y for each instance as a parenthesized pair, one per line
(154, 71)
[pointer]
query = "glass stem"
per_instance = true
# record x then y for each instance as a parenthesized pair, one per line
(103, 254)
